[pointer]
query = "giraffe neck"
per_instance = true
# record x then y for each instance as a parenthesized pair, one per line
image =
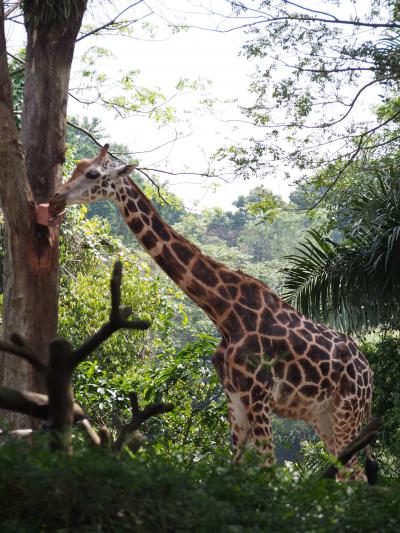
(194, 272)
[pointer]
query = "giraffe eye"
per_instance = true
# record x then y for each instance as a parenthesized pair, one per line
(92, 174)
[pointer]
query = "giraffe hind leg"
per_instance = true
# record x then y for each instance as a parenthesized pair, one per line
(348, 416)
(324, 429)
(238, 419)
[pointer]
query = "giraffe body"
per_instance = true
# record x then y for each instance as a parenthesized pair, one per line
(271, 359)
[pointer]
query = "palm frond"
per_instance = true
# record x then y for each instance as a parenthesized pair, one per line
(354, 283)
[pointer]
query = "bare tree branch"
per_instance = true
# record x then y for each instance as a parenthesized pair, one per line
(155, 184)
(359, 148)
(17, 59)
(11, 10)
(138, 417)
(137, 152)
(112, 21)
(90, 431)
(20, 349)
(206, 174)
(351, 106)
(328, 19)
(32, 404)
(93, 139)
(118, 320)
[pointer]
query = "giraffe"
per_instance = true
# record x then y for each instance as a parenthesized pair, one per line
(271, 358)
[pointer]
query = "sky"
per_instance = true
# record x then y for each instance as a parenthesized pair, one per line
(214, 59)
(162, 58)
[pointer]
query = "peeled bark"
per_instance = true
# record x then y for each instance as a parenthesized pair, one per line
(31, 253)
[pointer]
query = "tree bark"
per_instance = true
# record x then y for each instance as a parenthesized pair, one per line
(31, 253)
(18, 208)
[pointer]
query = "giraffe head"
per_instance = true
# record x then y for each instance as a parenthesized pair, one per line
(91, 180)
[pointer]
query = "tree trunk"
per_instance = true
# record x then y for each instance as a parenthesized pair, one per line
(31, 254)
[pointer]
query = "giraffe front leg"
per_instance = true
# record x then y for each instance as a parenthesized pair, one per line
(248, 410)
(238, 420)
(240, 424)
(250, 423)
(262, 436)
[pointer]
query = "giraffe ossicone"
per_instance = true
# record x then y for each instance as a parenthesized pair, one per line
(271, 359)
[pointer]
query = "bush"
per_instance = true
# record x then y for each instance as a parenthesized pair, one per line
(384, 357)
(96, 490)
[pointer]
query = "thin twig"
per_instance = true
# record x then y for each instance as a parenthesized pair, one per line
(142, 171)
(93, 138)
(110, 22)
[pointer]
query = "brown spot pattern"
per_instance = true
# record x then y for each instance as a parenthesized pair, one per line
(183, 252)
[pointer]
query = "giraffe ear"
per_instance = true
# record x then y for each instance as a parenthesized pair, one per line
(125, 170)
(103, 152)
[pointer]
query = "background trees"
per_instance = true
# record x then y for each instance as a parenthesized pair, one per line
(317, 71)
(340, 228)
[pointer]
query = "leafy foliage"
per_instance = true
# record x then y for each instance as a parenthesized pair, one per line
(86, 248)
(146, 362)
(354, 283)
(290, 439)
(384, 357)
(149, 493)
(198, 426)
(315, 69)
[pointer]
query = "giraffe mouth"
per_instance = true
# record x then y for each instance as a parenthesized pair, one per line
(57, 204)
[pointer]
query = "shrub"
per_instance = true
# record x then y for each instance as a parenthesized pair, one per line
(97, 491)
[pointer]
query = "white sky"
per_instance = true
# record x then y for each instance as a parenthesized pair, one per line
(193, 54)
(162, 62)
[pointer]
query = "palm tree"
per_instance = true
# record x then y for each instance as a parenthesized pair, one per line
(354, 283)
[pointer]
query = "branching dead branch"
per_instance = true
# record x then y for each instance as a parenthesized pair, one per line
(58, 409)
(32, 404)
(138, 417)
(118, 320)
(18, 347)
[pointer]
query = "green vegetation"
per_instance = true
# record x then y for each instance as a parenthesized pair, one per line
(97, 491)
(314, 69)
(353, 283)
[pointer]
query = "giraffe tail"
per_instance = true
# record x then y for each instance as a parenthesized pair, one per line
(371, 466)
